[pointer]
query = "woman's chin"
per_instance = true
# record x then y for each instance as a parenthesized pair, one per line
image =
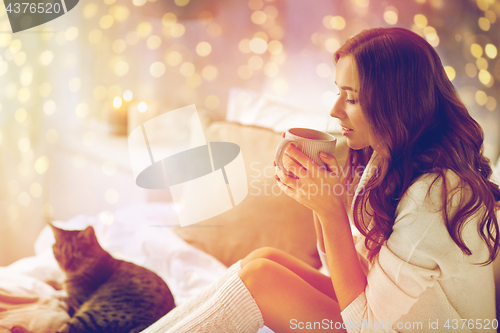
(355, 145)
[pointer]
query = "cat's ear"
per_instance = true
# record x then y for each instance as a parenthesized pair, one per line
(88, 234)
(57, 232)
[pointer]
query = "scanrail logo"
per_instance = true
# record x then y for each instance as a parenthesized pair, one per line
(25, 14)
(205, 178)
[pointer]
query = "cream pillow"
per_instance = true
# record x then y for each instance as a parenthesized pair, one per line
(266, 217)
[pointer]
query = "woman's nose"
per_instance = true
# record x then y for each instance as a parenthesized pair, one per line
(337, 111)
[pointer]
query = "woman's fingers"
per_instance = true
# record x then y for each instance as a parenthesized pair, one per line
(330, 161)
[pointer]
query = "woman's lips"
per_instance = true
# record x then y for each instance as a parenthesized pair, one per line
(346, 130)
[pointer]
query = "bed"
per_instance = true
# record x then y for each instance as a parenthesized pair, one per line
(187, 258)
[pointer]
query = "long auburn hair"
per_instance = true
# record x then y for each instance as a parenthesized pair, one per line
(415, 112)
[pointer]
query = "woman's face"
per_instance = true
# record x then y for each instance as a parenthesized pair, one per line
(347, 109)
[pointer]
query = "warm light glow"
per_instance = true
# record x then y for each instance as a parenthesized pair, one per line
(120, 13)
(476, 50)
(46, 57)
(42, 164)
(255, 4)
(212, 102)
(119, 46)
(144, 29)
(332, 45)
(271, 69)
(244, 46)
(173, 58)
(450, 72)
(117, 102)
(106, 22)
(255, 63)
(484, 23)
(169, 19)
(258, 45)
(485, 77)
(362, 3)
(482, 63)
(187, 69)
(153, 42)
(491, 103)
(338, 22)
(391, 15)
(491, 51)
(420, 20)
(157, 69)
(127, 96)
(142, 107)
(49, 107)
(209, 73)
(121, 68)
(177, 30)
(181, 3)
(193, 81)
(271, 12)
(280, 86)
(95, 36)
(112, 196)
(72, 33)
(21, 115)
(203, 49)
(481, 97)
(470, 70)
(82, 110)
(245, 72)
(106, 217)
(23, 94)
(90, 10)
(259, 17)
(275, 47)
(45, 89)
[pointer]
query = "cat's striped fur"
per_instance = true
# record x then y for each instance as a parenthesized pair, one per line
(106, 295)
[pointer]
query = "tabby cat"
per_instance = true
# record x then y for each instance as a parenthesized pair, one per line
(106, 294)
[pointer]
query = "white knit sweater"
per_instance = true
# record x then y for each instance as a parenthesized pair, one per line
(421, 281)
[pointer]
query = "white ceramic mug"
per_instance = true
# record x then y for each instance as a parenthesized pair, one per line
(310, 142)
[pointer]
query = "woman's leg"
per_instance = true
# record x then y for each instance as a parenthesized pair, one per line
(309, 274)
(288, 293)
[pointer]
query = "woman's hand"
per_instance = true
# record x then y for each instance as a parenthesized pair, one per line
(311, 185)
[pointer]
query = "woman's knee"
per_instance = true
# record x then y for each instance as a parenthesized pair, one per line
(269, 253)
(257, 271)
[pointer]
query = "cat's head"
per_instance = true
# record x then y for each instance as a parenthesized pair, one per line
(76, 250)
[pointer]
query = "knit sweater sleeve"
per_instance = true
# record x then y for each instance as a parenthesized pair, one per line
(418, 253)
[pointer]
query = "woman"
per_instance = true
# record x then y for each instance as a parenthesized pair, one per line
(424, 206)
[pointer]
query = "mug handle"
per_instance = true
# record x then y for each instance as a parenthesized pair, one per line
(280, 150)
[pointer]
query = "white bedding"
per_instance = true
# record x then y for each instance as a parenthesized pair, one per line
(141, 234)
